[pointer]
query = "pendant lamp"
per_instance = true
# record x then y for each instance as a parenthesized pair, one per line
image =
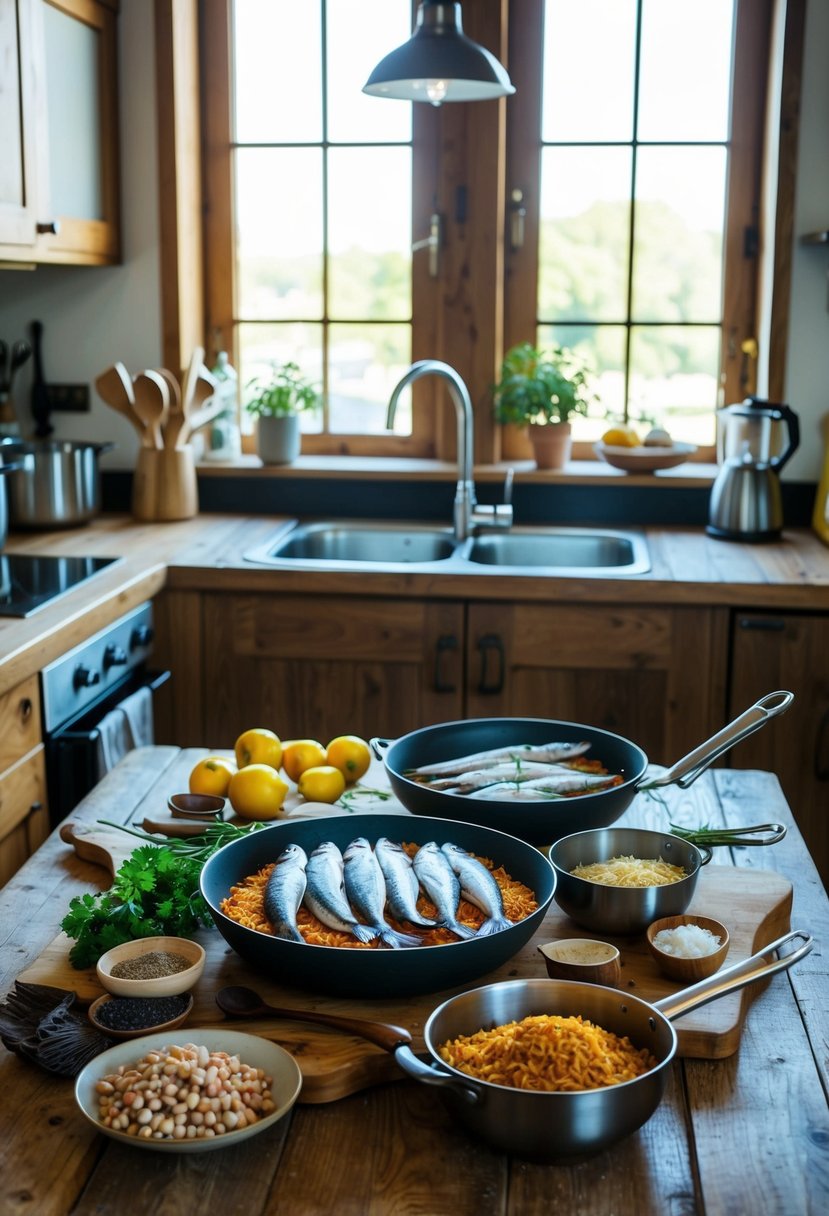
(439, 63)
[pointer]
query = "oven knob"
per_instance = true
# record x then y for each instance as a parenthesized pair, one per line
(142, 635)
(85, 677)
(114, 656)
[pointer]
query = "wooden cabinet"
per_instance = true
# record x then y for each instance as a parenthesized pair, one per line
(772, 650)
(653, 674)
(24, 818)
(58, 127)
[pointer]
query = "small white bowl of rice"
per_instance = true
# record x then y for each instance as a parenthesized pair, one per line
(689, 947)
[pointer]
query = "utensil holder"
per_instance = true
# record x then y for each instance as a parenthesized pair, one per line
(165, 485)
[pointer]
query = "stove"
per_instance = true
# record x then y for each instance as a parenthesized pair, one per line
(29, 583)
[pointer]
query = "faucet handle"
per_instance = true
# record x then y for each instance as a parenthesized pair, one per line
(508, 480)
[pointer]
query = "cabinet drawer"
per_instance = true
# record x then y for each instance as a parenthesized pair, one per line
(19, 722)
(23, 792)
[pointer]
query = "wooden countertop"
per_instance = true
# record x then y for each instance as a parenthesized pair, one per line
(207, 553)
(744, 1134)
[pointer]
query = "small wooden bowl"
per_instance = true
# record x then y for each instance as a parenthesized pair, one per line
(582, 958)
(161, 1028)
(689, 970)
(196, 806)
(164, 985)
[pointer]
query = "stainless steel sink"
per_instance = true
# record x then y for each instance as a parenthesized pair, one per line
(576, 549)
(345, 543)
(529, 551)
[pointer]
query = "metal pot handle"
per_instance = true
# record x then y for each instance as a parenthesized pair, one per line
(686, 770)
(730, 979)
(380, 746)
(430, 1074)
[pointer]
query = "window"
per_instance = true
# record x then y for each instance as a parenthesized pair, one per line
(632, 148)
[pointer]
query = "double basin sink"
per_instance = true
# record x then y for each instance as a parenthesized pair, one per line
(365, 544)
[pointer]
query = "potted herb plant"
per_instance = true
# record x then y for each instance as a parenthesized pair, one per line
(277, 403)
(541, 390)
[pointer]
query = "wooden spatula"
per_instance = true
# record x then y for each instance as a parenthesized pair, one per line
(114, 387)
(178, 414)
(152, 403)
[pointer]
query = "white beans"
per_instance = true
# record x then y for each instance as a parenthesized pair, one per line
(182, 1093)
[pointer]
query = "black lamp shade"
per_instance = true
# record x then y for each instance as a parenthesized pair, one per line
(439, 63)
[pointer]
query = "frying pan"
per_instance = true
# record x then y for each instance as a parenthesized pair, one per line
(570, 1125)
(547, 821)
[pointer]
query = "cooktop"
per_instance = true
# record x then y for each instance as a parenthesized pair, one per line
(28, 582)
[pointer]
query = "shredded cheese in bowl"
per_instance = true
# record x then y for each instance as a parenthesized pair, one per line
(631, 872)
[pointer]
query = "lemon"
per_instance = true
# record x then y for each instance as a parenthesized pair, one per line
(212, 776)
(323, 783)
(300, 754)
(621, 436)
(258, 746)
(257, 792)
(350, 754)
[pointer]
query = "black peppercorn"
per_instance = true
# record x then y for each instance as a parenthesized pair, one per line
(140, 1013)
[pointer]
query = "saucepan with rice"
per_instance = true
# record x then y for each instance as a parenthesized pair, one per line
(555, 1070)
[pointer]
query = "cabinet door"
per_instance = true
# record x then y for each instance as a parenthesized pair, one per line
(655, 675)
(784, 650)
(17, 122)
(323, 666)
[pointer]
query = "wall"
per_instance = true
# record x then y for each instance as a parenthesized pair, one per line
(94, 316)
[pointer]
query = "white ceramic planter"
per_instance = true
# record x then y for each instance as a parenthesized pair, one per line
(278, 439)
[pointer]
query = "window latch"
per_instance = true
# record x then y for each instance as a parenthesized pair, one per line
(518, 213)
(432, 242)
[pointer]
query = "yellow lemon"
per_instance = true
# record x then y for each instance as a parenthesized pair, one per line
(323, 783)
(300, 754)
(257, 792)
(350, 754)
(621, 436)
(258, 746)
(212, 776)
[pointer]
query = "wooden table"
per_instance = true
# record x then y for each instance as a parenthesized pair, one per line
(747, 1134)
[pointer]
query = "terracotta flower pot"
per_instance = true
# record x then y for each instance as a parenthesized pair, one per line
(551, 444)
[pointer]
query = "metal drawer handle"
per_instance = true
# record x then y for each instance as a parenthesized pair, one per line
(447, 641)
(492, 642)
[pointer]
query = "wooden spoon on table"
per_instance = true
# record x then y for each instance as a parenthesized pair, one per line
(152, 403)
(239, 1002)
(114, 386)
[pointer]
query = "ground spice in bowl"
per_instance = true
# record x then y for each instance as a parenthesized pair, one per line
(128, 1013)
(150, 966)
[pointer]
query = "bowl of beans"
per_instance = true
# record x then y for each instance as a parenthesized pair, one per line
(128, 1017)
(164, 1093)
(151, 967)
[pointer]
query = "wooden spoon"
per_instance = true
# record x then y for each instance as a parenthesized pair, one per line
(114, 387)
(240, 1002)
(152, 403)
(205, 406)
(178, 416)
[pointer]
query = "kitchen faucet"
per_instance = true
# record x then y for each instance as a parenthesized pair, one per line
(468, 515)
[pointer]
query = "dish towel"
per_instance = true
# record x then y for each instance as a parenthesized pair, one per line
(127, 726)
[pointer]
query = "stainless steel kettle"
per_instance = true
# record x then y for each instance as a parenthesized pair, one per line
(746, 501)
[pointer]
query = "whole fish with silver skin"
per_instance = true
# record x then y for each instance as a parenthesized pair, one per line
(553, 774)
(325, 892)
(479, 887)
(284, 891)
(441, 884)
(544, 753)
(365, 889)
(543, 789)
(402, 887)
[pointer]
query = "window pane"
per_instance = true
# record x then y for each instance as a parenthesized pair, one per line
(584, 233)
(261, 347)
(588, 70)
(279, 232)
(369, 233)
(603, 348)
(365, 362)
(678, 234)
(685, 69)
(368, 29)
(278, 71)
(673, 379)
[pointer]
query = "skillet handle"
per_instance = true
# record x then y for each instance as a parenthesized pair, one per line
(730, 979)
(686, 770)
(430, 1074)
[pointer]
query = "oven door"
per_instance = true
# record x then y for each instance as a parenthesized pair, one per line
(80, 751)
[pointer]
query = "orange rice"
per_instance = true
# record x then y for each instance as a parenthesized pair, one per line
(246, 904)
(548, 1053)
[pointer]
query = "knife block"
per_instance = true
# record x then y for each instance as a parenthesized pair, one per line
(164, 485)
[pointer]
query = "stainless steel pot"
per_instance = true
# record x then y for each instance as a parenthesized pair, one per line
(6, 466)
(570, 1125)
(57, 484)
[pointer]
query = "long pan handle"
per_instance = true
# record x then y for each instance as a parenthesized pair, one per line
(686, 770)
(730, 979)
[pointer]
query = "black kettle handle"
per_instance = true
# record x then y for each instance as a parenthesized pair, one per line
(793, 426)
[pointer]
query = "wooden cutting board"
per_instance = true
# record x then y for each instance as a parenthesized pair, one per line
(755, 905)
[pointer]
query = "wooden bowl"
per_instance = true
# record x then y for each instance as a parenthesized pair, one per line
(160, 1028)
(689, 970)
(644, 459)
(582, 958)
(196, 806)
(165, 985)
